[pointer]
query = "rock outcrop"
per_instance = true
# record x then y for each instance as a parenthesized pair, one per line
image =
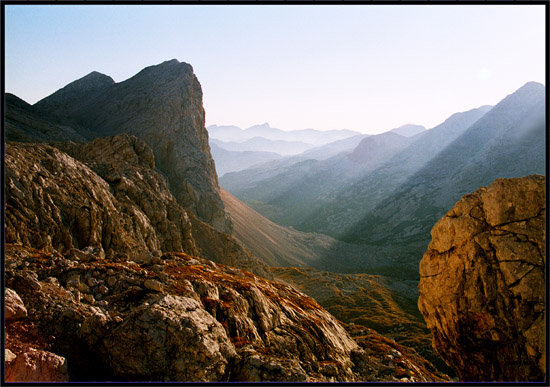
(108, 197)
(482, 286)
(54, 201)
(162, 105)
(182, 318)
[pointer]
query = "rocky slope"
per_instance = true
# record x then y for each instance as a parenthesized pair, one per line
(91, 231)
(482, 287)
(109, 198)
(180, 318)
(24, 123)
(376, 302)
(162, 105)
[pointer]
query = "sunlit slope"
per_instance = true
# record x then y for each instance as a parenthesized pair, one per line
(276, 245)
(386, 305)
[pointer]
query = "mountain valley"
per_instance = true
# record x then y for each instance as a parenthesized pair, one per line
(301, 263)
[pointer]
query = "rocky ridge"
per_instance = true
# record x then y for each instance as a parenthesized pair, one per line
(201, 321)
(162, 105)
(482, 286)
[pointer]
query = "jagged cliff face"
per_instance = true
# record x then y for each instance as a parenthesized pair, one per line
(482, 286)
(163, 106)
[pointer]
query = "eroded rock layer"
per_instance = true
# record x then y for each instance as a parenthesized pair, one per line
(482, 286)
(182, 318)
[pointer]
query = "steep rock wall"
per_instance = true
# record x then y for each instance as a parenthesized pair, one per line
(162, 105)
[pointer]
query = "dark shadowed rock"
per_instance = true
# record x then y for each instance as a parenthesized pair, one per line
(25, 123)
(162, 105)
(482, 286)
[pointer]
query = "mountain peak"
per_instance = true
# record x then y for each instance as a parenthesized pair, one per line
(408, 130)
(89, 83)
(93, 80)
(265, 125)
(166, 70)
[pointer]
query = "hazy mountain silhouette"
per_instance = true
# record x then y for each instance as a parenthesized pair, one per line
(408, 130)
(262, 144)
(308, 136)
(233, 161)
(397, 201)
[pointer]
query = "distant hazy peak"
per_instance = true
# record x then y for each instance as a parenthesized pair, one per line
(532, 85)
(265, 125)
(485, 108)
(530, 89)
(408, 130)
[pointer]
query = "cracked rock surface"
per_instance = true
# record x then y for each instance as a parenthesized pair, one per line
(182, 318)
(482, 286)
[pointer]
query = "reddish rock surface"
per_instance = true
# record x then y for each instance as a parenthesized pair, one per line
(482, 287)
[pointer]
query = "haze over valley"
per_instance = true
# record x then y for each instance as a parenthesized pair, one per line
(241, 194)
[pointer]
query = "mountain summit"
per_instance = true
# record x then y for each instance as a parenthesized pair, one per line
(162, 105)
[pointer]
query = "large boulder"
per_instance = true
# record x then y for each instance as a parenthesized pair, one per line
(482, 286)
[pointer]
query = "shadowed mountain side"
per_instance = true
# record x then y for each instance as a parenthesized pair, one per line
(276, 245)
(24, 123)
(351, 203)
(386, 305)
(507, 142)
(282, 246)
(162, 105)
(295, 191)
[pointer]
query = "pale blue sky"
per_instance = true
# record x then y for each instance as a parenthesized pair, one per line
(368, 68)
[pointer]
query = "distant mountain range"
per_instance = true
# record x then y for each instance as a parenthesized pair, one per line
(298, 145)
(308, 136)
(391, 189)
(249, 146)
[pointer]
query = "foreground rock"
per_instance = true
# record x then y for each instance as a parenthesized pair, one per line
(482, 287)
(36, 366)
(183, 318)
